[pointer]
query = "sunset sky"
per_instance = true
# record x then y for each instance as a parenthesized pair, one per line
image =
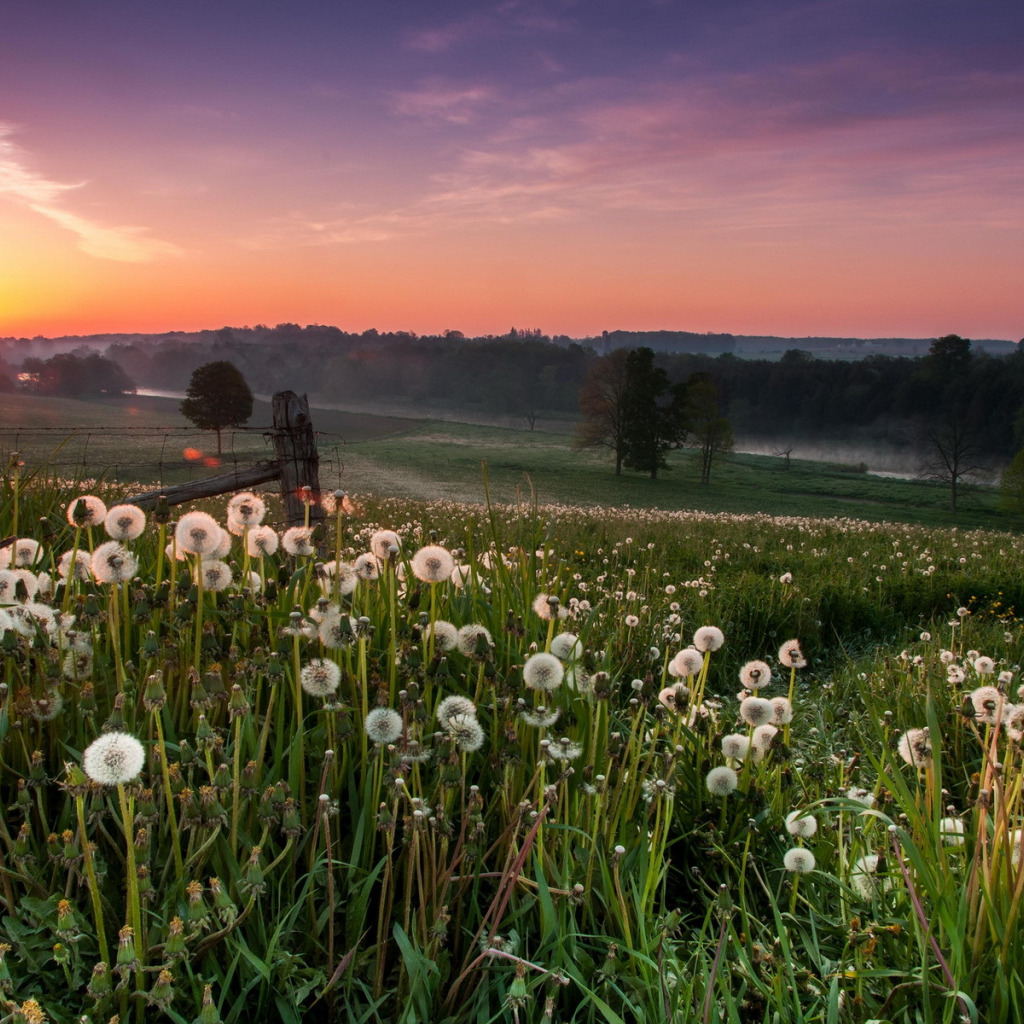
(788, 167)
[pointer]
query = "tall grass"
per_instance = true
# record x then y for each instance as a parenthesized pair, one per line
(550, 850)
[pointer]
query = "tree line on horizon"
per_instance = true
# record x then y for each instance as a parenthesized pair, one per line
(882, 399)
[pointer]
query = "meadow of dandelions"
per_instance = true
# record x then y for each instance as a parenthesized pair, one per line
(433, 762)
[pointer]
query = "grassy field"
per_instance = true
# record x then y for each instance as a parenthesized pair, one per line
(144, 439)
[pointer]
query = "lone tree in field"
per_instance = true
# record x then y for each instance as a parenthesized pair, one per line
(654, 414)
(711, 431)
(602, 405)
(217, 397)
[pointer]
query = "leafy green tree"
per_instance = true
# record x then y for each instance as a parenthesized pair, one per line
(217, 397)
(654, 419)
(603, 407)
(1011, 484)
(710, 431)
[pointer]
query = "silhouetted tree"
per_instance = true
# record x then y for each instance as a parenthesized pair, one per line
(603, 406)
(69, 375)
(709, 429)
(217, 397)
(950, 452)
(653, 414)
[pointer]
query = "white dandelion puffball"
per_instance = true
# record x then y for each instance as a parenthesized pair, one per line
(757, 711)
(385, 543)
(761, 740)
(865, 879)
(915, 747)
(366, 567)
(124, 522)
(791, 656)
(799, 860)
(547, 607)
(473, 637)
(246, 509)
(951, 831)
(336, 630)
(88, 510)
(383, 725)
(113, 759)
(735, 746)
(214, 574)
(451, 706)
(338, 578)
(467, 732)
(197, 533)
(688, 662)
(566, 647)
(721, 781)
(755, 674)
(298, 541)
(261, 540)
(783, 711)
(803, 826)
(320, 678)
(446, 636)
(23, 552)
(543, 672)
(112, 562)
(223, 549)
(989, 705)
(708, 638)
(75, 564)
(984, 666)
(432, 564)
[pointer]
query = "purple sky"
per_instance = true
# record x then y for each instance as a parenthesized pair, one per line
(843, 167)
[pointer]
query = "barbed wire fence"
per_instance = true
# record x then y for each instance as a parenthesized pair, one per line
(157, 456)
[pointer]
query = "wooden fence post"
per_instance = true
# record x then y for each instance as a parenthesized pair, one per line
(295, 444)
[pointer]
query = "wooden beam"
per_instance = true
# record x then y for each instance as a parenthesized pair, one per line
(237, 480)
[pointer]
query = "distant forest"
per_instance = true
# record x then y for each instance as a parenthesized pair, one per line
(527, 377)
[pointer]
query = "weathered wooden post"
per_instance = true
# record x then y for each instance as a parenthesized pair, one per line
(295, 444)
(297, 466)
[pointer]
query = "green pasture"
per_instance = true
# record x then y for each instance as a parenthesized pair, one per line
(143, 439)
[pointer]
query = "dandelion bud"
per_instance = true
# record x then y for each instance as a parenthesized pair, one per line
(99, 984)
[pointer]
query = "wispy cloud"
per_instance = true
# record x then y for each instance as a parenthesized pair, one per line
(433, 103)
(22, 185)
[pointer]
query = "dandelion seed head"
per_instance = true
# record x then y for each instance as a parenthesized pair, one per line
(466, 731)
(262, 541)
(216, 575)
(125, 522)
(320, 677)
(432, 564)
(915, 747)
(383, 725)
(366, 567)
(382, 542)
(756, 711)
(801, 825)
(721, 781)
(791, 656)
(755, 674)
(86, 511)
(472, 637)
(297, 541)
(984, 666)
(988, 704)
(112, 562)
(543, 672)
(453, 705)
(799, 860)
(688, 662)
(113, 759)
(247, 509)
(735, 746)
(708, 638)
(566, 647)
(783, 711)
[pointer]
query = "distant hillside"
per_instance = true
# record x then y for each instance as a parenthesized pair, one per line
(747, 346)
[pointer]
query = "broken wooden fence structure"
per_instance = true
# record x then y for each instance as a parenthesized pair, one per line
(297, 467)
